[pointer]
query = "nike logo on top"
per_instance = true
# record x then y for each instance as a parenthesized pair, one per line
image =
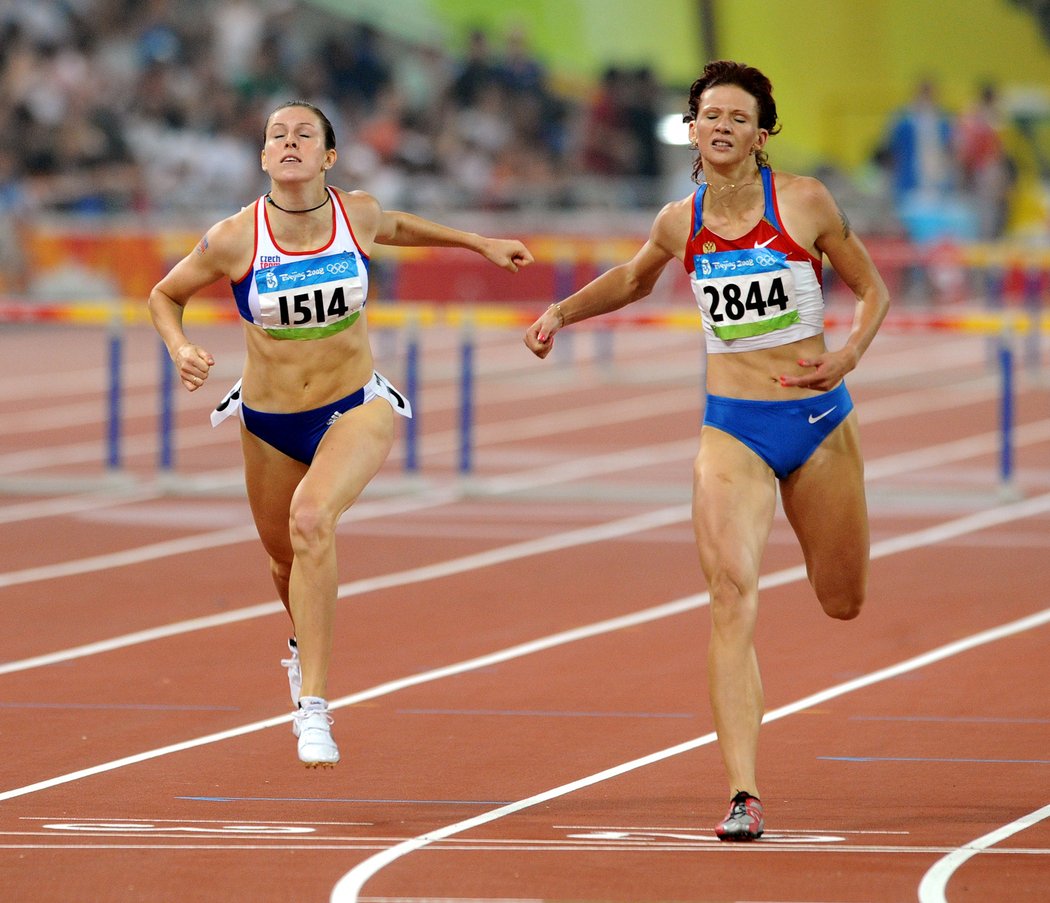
(814, 419)
(766, 242)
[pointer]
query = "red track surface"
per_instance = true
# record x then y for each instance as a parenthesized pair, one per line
(161, 767)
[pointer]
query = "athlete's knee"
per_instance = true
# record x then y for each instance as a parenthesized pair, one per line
(309, 524)
(843, 605)
(733, 600)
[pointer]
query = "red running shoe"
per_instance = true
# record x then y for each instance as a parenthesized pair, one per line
(744, 820)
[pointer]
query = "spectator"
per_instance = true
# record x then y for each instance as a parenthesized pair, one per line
(368, 72)
(477, 71)
(105, 93)
(14, 204)
(522, 73)
(985, 168)
(919, 145)
(920, 152)
(609, 148)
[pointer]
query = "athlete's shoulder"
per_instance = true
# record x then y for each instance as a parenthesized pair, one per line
(358, 201)
(794, 188)
(229, 237)
(670, 229)
(675, 214)
(241, 221)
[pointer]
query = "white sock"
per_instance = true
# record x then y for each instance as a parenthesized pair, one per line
(312, 702)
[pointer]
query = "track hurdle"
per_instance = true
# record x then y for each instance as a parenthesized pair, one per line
(1001, 329)
(114, 389)
(1006, 328)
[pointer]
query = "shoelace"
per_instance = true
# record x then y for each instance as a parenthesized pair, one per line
(739, 808)
(302, 714)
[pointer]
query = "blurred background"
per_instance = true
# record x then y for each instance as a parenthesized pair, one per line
(127, 127)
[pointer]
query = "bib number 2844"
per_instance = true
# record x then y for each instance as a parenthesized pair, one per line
(729, 301)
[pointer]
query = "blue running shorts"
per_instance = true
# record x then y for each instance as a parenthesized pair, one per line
(784, 434)
(299, 433)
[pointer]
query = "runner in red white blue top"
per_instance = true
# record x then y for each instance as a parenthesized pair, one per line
(317, 420)
(777, 412)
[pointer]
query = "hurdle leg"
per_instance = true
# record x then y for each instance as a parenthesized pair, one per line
(1008, 489)
(114, 423)
(466, 397)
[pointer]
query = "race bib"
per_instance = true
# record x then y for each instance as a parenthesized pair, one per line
(310, 299)
(745, 293)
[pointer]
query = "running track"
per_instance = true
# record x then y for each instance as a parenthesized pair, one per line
(519, 676)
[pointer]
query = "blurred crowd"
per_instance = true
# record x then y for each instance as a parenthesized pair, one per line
(151, 106)
(154, 107)
(950, 174)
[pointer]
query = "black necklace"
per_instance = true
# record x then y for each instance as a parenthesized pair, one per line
(327, 197)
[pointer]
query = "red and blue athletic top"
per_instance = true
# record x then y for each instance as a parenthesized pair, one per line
(761, 290)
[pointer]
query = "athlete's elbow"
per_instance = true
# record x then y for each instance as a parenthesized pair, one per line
(637, 288)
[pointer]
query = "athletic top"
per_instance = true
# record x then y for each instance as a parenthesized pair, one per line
(761, 290)
(304, 294)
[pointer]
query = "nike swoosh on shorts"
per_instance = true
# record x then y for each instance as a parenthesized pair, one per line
(813, 419)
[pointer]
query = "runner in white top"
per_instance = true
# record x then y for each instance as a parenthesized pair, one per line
(307, 353)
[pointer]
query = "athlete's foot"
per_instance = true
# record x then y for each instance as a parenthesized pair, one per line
(313, 727)
(744, 821)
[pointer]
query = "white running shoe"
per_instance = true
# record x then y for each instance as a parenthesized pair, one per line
(313, 727)
(295, 674)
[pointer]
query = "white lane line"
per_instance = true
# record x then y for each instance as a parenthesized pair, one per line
(349, 886)
(557, 542)
(572, 469)
(336, 844)
(938, 533)
(483, 661)
(72, 504)
(204, 541)
(933, 884)
(876, 469)
(368, 509)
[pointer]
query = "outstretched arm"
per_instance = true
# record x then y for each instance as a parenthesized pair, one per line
(409, 230)
(617, 287)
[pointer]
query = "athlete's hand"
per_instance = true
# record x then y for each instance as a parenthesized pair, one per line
(193, 363)
(824, 372)
(539, 337)
(508, 253)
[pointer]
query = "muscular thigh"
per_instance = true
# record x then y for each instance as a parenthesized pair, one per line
(734, 499)
(349, 456)
(825, 503)
(271, 478)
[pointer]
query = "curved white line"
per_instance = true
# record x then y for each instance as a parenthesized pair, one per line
(934, 882)
(349, 886)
